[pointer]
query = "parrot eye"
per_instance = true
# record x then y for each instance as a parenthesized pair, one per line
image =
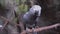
(36, 12)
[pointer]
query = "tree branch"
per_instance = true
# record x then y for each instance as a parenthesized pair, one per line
(41, 28)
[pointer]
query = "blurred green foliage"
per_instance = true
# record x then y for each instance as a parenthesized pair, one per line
(22, 8)
(2, 2)
(17, 1)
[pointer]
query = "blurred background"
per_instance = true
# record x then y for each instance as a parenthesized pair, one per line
(15, 9)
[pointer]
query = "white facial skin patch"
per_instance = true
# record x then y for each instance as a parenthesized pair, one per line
(35, 8)
(1, 26)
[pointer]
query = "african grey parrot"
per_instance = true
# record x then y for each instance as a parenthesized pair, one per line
(29, 18)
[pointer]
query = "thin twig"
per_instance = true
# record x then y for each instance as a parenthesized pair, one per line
(6, 22)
